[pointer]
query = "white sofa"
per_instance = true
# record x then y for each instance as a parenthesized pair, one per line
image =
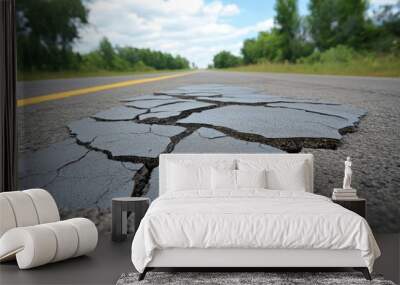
(31, 231)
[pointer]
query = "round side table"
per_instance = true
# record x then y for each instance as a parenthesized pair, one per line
(120, 208)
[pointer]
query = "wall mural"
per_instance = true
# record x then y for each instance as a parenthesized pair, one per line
(113, 84)
(115, 152)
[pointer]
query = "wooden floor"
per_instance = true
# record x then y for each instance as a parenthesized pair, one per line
(110, 260)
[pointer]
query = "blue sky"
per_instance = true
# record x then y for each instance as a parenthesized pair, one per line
(256, 11)
(253, 11)
(195, 29)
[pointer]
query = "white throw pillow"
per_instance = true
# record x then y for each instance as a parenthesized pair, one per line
(227, 179)
(251, 178)
(284, 174)
(223, 179)
(193, 175)
(183, 178)
(288, 177)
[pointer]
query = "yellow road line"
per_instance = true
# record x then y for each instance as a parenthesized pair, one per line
(88, 90)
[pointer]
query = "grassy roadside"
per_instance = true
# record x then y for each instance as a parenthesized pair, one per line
(42, 75)
(380, 66)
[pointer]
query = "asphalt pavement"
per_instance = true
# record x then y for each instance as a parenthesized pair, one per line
(374, 145)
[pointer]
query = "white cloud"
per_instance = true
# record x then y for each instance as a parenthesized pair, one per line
(383, 2)
(217, 8)
(191, 28)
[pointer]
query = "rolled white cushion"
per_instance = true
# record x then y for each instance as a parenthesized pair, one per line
(33, 246)
(87, 233)
(67, 240)
(23, 208)
(7, 218)
(26, 208)
(46, 207)
(45, 243)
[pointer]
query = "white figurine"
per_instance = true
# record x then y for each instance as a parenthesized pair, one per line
(347, 174)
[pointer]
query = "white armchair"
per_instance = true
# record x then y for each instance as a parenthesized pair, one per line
(31, 230)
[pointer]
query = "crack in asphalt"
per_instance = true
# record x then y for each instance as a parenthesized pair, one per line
(308, 111)
(108, 188)
(213, 138)
(123, 164)
(59, 169)
(173, 119)
(156, 106)
(186, 95)
(142, 175)
(290, 145)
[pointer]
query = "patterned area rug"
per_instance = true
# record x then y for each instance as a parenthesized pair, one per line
(269, 278)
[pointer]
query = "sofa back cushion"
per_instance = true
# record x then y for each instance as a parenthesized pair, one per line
(26, 208)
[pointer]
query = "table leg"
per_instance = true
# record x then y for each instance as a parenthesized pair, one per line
(124, 223)
(116, 227)
(140, 211)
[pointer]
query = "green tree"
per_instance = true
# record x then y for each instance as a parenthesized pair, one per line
(338, 22)
(46, 32)
(288, 22)
(107, 53)
(129, 58)
(265, 47)
(249, 51)
(389, 17)
(129, 54)
(386, 32)
(269, 46)
(225, 59)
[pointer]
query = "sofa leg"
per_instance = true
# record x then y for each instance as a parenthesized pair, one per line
(364, 271)
(143, 274)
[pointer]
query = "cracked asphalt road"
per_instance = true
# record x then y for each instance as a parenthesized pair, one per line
(374, 147)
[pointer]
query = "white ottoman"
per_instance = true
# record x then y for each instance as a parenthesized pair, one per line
(31, 232)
